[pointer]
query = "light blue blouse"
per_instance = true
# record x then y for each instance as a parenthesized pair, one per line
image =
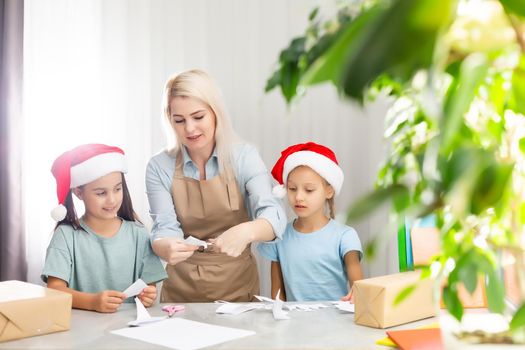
(252, 176)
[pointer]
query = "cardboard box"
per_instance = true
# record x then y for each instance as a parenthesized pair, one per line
(374, 300)
(28, 309)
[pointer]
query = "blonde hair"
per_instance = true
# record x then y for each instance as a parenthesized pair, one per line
(198, 84)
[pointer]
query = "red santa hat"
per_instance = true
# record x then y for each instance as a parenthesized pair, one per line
(320, 158)
(82, 165)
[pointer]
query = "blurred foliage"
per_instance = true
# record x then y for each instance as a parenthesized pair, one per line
(455, 73)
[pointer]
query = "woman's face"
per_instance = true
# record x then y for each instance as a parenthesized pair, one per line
(194, 124)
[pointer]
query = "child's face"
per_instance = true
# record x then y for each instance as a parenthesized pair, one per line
(102, 197)
(307, 192)
(194, 124)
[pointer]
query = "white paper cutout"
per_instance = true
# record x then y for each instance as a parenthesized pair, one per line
(277, 306)
(195, 241)
(345, 306)
(235, 309)
(135, 288)
(305, 307)
(143, 316)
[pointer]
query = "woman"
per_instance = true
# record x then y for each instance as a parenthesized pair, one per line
(213, 187)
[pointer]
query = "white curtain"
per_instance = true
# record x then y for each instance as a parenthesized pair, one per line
(95, 69)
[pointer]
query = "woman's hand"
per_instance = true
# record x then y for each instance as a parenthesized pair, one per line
(148, 296)
(108, 301)
(173, 250)
(234, 240)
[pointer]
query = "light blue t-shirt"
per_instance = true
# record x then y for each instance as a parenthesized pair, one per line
(312, 264)
(254, 180)
(92, 263)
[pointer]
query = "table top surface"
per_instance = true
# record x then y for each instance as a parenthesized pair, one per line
(326, 328)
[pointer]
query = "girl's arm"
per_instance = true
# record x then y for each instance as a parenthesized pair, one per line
(277, 281)
(148, 295)
(105, 301)
(353, 271)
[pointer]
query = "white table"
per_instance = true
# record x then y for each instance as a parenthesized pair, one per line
(326, 328)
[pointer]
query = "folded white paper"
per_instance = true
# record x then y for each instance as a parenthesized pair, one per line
(143, 316)
(344, 306)
(195, 241)
(235, 309)
(277, 306)
(135, 288)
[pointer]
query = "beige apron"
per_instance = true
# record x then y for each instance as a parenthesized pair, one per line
(205, 209)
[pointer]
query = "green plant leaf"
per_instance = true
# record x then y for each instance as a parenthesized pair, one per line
(473, 71)
(517, 99)
(522, 145)
(495, 293)
(452, 302)
(365, 205)
(328, 66)
(467, 272)
(518, 320)
(490, 186)
(514, 6)
(400, 42)
(405, 292)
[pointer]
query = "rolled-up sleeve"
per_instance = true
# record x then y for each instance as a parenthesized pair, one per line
(159, 175)
(256, 183)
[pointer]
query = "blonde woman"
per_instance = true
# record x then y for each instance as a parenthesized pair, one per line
(209, 185)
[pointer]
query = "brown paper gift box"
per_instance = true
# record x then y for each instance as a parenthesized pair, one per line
(374, 300)
(28, 309)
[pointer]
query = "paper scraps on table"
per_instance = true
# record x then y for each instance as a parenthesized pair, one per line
(195, 241)
(135, 289)
(345, 306)
(179, 333)
(143, 316)
(235, 308)
(277, 306)
(305, 307)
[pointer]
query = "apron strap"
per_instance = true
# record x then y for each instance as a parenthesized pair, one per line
(233, 194)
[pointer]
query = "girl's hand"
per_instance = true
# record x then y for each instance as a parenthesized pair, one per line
(173, 250)
(349, 297)
(148, 296)
(108, 301)
(232, 241)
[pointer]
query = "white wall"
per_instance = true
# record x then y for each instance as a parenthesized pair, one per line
(111, 59)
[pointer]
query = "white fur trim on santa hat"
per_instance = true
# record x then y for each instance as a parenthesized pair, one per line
(321, 164)
(279, 191)
(97, 166)
(59, 213)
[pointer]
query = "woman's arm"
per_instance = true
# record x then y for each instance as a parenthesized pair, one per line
(269, 218)
(166, 231)
(234, 240)
(106, 301)
(353, 271)
(277, 281)
(172, 250)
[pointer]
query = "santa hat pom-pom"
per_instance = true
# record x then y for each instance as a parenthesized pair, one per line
(279, 191)
(59, 213)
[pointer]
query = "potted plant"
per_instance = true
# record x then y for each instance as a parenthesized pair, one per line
(456, 72)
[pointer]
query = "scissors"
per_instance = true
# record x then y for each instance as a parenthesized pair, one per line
(172, 309)
(209, 249)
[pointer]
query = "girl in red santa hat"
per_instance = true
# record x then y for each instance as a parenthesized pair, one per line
(318, 257)
(98, 256)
